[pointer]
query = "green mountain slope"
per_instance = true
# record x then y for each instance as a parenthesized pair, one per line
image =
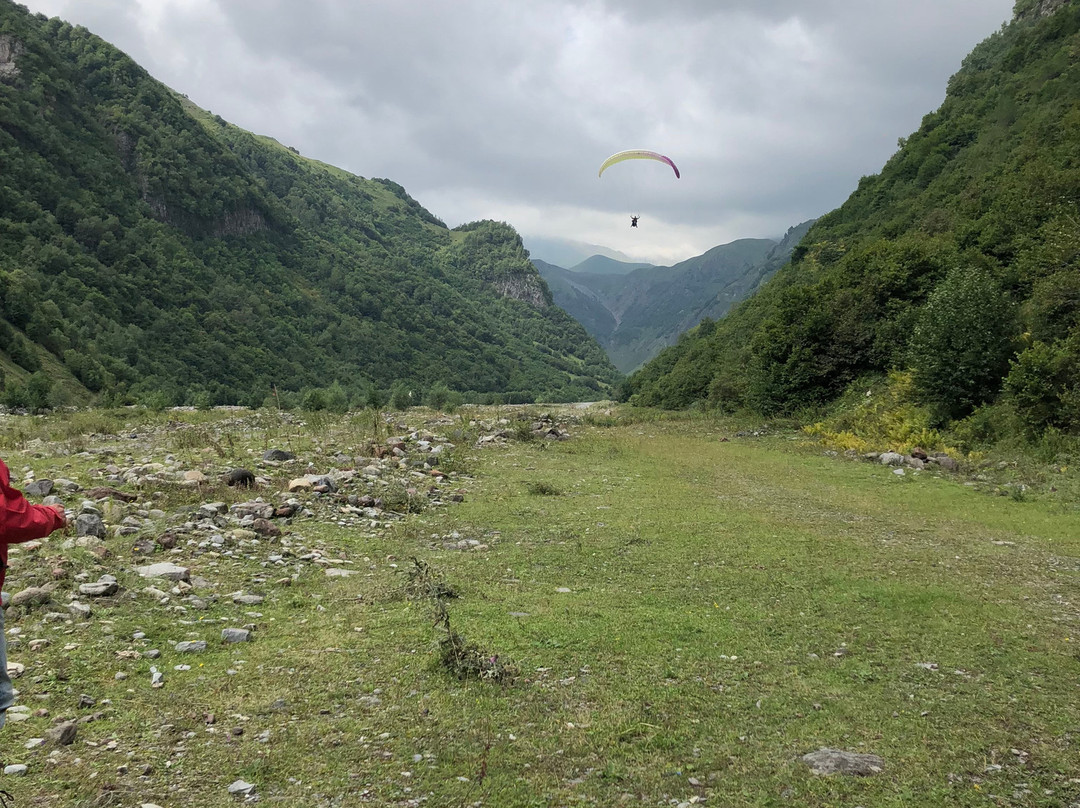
(960, 261)
(152, 247)
(636, 312)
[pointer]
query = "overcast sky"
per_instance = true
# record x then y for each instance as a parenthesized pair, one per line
(504, 109)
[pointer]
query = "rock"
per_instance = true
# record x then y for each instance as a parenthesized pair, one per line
(90, 524)
(38, 488)
(104, 492)
(835, 761)
(259, 510)
(16, 769)
(106, 585)
(86, 702)
(336, 572)
(62, 734)
(891, 459)
(211, 509)
(919, 453)
(157, 678)
(165, 569)
(79, 611)
(231, 635)
(945, 462)
(240, 477)
(278, 455)
(300, 484)
(264, 527)
(244, 599)
(32, 596)
(194, 476)
(316, 482)
(241, 789)
(191, 647)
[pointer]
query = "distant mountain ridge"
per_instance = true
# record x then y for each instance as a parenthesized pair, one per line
(636, 310)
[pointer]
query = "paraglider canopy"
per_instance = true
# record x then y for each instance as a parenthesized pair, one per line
(637, 154)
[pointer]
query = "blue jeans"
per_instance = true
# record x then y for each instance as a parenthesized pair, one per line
(7, 693)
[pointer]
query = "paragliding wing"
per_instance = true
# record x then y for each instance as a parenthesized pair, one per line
(637, 154)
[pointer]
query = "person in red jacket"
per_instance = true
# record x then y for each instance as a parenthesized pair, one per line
(19, 521)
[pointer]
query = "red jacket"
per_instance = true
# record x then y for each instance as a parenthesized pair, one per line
(19, 520)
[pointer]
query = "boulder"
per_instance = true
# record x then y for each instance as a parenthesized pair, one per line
(278, 455)
(827, 761)
(38, 488)
(90, 524)
(164, 569)
(32, 596)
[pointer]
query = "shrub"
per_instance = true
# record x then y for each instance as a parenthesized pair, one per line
(962, 343)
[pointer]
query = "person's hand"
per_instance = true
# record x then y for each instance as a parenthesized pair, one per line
(61, 513)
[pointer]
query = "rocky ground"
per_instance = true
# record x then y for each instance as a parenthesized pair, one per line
(163, 519)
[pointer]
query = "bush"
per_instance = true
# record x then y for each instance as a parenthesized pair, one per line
(401, 397)
(1043, 387)
(314, 400)
(337, 400)
(962, 343)
(438, 396)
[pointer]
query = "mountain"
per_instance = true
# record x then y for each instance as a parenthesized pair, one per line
(957, 266)
(149, 248)
(604, 265)
(637, 310)
(567, 252)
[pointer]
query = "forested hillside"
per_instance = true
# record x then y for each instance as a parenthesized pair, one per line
(150, 249)
(957, 266)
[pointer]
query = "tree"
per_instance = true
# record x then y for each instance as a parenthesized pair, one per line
(962, 343)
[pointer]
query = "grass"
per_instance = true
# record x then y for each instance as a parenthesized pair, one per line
(685, 619)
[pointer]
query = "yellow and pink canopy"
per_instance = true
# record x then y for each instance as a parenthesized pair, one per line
(637, 154)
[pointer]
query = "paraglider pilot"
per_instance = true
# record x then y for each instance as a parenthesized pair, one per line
(633, 221)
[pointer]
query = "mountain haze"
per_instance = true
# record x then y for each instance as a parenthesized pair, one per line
(959, 263)
(148, 246)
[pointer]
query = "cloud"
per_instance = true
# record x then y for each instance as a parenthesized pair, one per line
(505, 110)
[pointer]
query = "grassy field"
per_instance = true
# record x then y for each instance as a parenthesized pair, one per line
(661, 613)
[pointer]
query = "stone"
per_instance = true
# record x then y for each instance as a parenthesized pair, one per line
(245, 599)
(16, 769)
(166, 570)
(79, 611)
(239, 788)
(891, 459)
(194, 476)
(259, 510)
(826, 761)
(105, 585)
(264, 527)
(945, 462)
(90, 524)
(337, 572)
(32, 596)
(231, 635)
(278, 455)
(300, 484)
(211, 509)
(190, 647)
(38, 488)
(62, 734)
